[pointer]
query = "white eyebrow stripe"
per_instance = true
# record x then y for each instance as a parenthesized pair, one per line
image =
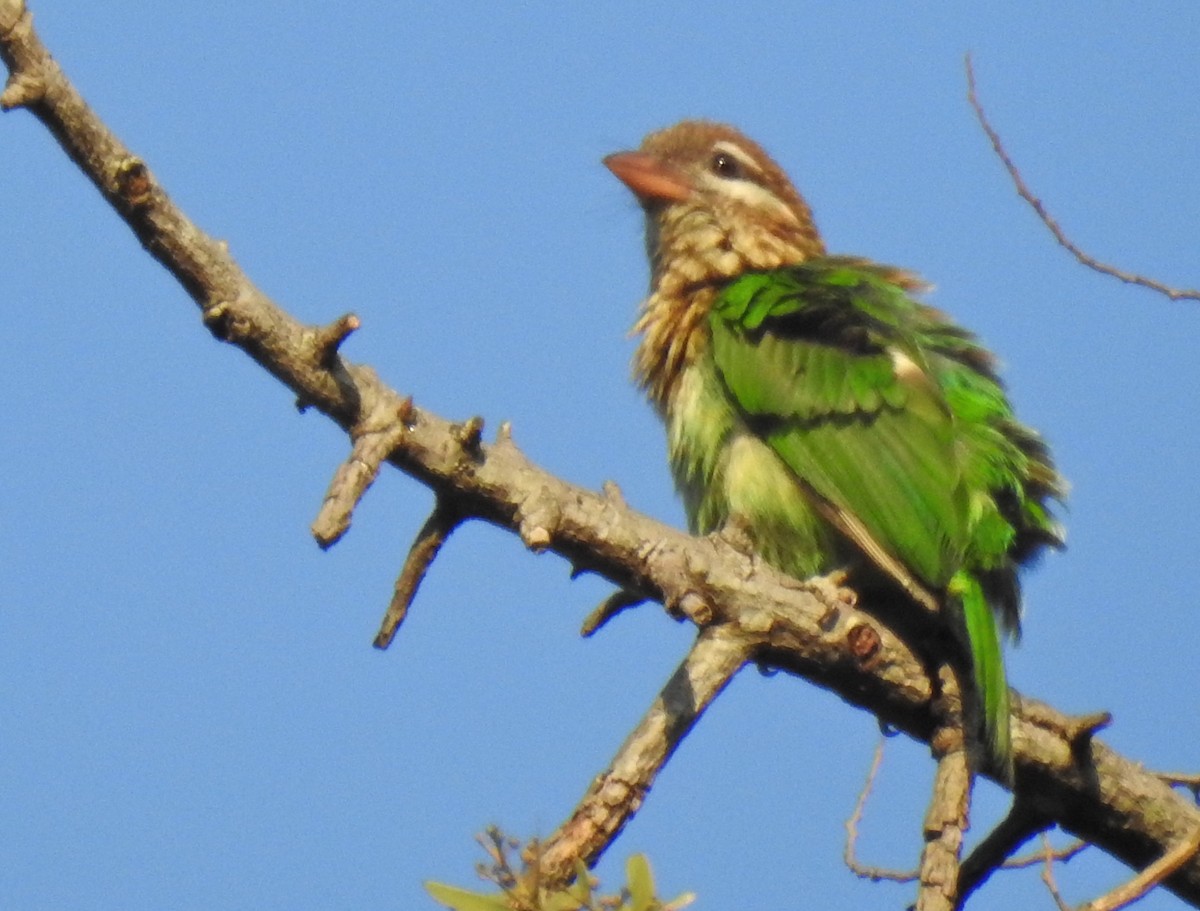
(730, 148)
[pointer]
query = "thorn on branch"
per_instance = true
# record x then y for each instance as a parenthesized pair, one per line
(618, 601)
(1082, 729)
(329, 338)
(425, 547)
(22, 90)
(372, 447)
(469, 435)
(612, 493)
(1085, 259)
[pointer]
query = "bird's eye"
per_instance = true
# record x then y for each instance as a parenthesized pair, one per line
(725, 165)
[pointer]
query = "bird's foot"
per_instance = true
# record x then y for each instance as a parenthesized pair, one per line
(831, 588)
(737, 534)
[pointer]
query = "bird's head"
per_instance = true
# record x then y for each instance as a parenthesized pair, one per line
(716, 204)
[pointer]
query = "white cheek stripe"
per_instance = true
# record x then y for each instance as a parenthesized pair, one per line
(752, 195)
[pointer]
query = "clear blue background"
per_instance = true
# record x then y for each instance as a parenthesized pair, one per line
(191, 711)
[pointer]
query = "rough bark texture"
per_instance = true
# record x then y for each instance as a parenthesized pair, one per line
(805, 630)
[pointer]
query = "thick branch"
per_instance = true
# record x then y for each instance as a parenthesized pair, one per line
(1020, 825)
(1087, 788)
(946, 821)
(617, 794)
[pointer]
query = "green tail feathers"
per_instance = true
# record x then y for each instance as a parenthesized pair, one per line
(987, 659)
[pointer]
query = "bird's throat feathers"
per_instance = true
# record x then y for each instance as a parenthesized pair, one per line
(692, 257)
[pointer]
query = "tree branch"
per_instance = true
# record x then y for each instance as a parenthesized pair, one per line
(795, 627)
(425, 548)
(1021, 824)
(946, 821)
(618, 792)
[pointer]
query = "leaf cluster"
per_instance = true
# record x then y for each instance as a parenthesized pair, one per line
(527, 890)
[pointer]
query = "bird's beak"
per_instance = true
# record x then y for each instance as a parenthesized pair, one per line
(650, 178)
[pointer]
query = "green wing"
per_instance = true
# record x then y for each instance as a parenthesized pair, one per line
(894, 420)
(821, 361)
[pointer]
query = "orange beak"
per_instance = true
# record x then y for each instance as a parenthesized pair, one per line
(650, 178)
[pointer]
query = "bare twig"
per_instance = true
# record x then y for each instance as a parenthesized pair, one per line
(1048, 874)
(1182, 780)
(1048, 220)
(1061, 855)
(433, 534)
(1126, 895)
(849, 853)
(616, 794)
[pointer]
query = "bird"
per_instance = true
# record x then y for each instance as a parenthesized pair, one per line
(817, 403)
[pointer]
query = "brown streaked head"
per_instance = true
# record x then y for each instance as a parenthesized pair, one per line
(715, 198)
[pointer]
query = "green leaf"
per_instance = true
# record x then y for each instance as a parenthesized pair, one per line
(560, 901)
(464, 899)
(641, 882)
(581, 889)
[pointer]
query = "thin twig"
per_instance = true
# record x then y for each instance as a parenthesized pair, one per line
(1131, 278)
(433, 534)
(1181, 780)
(849, 853)
(1061, 855)
(1048, 874)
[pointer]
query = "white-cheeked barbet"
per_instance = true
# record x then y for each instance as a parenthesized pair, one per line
(842, 422)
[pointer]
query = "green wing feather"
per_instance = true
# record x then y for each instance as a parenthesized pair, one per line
(894, 419)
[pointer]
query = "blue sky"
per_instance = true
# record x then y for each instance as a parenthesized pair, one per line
(192, 713)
